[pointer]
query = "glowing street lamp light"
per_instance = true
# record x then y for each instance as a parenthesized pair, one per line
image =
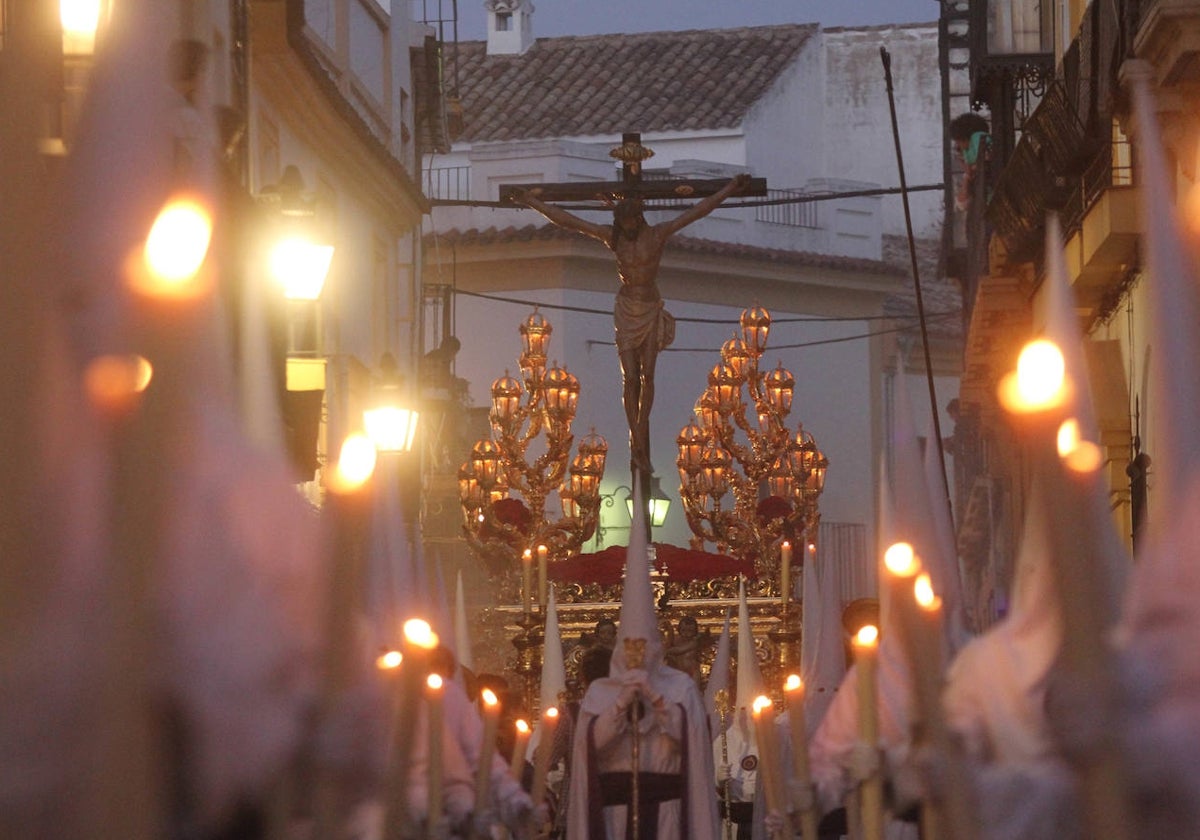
(390, 426)
(656, 506)
(300, 266)
(80, 19)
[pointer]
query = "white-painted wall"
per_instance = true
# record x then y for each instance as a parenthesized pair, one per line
(857, 120)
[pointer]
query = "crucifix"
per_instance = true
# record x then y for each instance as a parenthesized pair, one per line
(643, 325)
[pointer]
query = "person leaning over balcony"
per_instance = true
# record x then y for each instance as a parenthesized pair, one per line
(973, 144)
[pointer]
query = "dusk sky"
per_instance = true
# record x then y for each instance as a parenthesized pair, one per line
(594, 17)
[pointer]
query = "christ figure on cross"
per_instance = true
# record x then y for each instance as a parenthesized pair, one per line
(643, 325)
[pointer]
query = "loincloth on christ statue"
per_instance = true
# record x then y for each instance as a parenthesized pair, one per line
(639, 316)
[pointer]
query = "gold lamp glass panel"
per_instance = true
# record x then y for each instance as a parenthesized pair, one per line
(535, 335)
(714, 470)
(706, 409)
(485, 463)
(781, 388)
(595, 446)
(556, 386)
(506, 397)
(756, 326)
(691, 442)
(779, 479)
(726, 386)
(737, 355)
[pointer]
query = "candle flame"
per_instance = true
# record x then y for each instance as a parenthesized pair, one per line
(176, 248)
(785, 544)
(868, 636)
(1079, 455)
(551, 712)
(434, 681)
(355, 464)
(527, 555)
(901, 560)
(389, 660)
(923, 591)
(1039, 382)
(522, 726)
(114, 381)
(812, 547)
(792, 683)
(489, 697)
(761, 702)
(418, 632)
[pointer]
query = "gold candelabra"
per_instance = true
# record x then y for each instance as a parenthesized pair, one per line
(510, 477)
(501, 525)
(722, 453)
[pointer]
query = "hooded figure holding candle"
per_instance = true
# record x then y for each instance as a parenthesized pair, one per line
(674, 795)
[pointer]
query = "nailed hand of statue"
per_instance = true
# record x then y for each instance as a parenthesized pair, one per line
(741, 181)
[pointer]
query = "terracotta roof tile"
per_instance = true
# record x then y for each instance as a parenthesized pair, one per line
(607, 84)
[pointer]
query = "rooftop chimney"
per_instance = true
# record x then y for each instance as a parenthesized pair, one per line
(510, 26)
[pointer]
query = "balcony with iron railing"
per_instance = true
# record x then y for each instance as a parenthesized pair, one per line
(1058, 161)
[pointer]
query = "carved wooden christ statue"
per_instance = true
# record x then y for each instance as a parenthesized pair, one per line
(643, 325)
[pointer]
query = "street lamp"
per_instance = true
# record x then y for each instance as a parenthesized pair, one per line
(80, 19)
(656, 506)
(389, 425)
(299, 262)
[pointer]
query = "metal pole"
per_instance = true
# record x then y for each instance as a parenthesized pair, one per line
(886, 57)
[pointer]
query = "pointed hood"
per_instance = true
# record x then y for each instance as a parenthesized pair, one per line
(637, 618)
(718, 677)
(822, 656)
(1161, 624)
(749, 678)
(1173, 412)
(1106, 550)
(554, 671)
(995, 688)
(957, 633)
(1062, 326)
(390, 578)
(462, 633)
(914, 498)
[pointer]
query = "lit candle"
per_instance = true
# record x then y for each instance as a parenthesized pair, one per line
(1039, 383)
(541, 759)
(433, 697)
(956, 808)
(866, 656)
(349, 506)
(527, 581)
(927, 647)
(174, 254)
(483, 773)
(520, 743)
(419, 642)
(793, 690)
(543, 556)
(785, 572)
(768, 760)
(902, 565)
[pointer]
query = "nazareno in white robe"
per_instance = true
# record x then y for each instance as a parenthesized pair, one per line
(673, 742)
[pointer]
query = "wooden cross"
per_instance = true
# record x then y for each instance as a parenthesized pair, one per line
(631, 153)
